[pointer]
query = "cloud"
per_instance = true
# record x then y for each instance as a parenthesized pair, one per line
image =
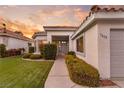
(26, 29)
(30, 22)
(80, 14)
(61, 16)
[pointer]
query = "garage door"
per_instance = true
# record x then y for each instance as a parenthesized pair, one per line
(117, 53)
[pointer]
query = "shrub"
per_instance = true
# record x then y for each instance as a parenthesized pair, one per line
(27, 55)
(31, 49)
(14, 52)
(81, 72)
(71, 53)
(35, 56)
(2, 50)
(50, 51)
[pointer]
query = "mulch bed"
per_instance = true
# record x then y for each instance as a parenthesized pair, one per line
(107, 83)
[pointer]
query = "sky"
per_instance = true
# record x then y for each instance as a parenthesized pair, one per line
(31, 18)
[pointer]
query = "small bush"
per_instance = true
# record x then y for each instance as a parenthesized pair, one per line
(50, 51)
(35, 56)
(27, 55)
(81, 72)
(31, 49)
(14, 52)
(2, 50)
(71, 53)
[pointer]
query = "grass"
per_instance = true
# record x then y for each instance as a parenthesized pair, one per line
(17, 73)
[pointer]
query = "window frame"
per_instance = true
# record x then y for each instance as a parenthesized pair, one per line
(83, 42)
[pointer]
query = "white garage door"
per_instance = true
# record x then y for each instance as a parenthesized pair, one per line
(117, 53)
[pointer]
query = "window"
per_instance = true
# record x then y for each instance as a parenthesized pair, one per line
(80, 44)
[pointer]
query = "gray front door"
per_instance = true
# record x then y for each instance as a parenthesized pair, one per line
(63, 47)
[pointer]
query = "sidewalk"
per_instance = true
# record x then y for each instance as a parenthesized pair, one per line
(59, 77)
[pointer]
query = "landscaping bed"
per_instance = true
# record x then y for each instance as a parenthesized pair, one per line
(18, 73)
(82, 73)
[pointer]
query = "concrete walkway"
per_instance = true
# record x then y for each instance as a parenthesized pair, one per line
(59, 77)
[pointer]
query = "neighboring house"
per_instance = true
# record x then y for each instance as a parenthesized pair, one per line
(57, 34)
(14, 40)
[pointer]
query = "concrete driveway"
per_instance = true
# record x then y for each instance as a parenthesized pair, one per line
(119, 82)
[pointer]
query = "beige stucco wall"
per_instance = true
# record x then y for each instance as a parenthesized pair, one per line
(91, 46)
(97, 45)
(1, 40)
(104, 45)
(16, 43)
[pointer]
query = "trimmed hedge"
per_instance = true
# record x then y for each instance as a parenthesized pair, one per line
(35, 56)
(81, 72)
(2, 50)
(27, 55)
(50, 51)
(71, 53)
(31, 49)
(14, 52)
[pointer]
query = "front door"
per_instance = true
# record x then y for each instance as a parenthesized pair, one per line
(62, 43)
(63, 47)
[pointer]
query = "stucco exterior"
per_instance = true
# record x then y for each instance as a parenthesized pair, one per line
(96, 31)
(15, 43)
(104, 29)
(14, 40)
(90, 54)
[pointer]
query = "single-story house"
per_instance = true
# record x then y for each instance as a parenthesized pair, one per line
(99, 40)
(61, 35)
(14, 40)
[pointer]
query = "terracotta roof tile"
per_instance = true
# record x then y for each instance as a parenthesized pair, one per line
(39, 34)
(13, 34)
(102, 8)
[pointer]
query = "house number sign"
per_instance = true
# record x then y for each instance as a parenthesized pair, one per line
(103, 36)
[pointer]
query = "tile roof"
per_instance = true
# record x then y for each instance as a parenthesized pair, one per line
(60, 28)
(9, 33)
(39, 34)
(102, 8)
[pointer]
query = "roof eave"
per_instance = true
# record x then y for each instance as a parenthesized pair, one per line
(98, 17)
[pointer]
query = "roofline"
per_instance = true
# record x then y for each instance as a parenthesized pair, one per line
(95, 9)
(60, 26)
(60, 30)
(5, 34)
(34, 36)
(93, 18)
(38, 34)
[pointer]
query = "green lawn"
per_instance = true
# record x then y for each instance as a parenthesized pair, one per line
(17, 73)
